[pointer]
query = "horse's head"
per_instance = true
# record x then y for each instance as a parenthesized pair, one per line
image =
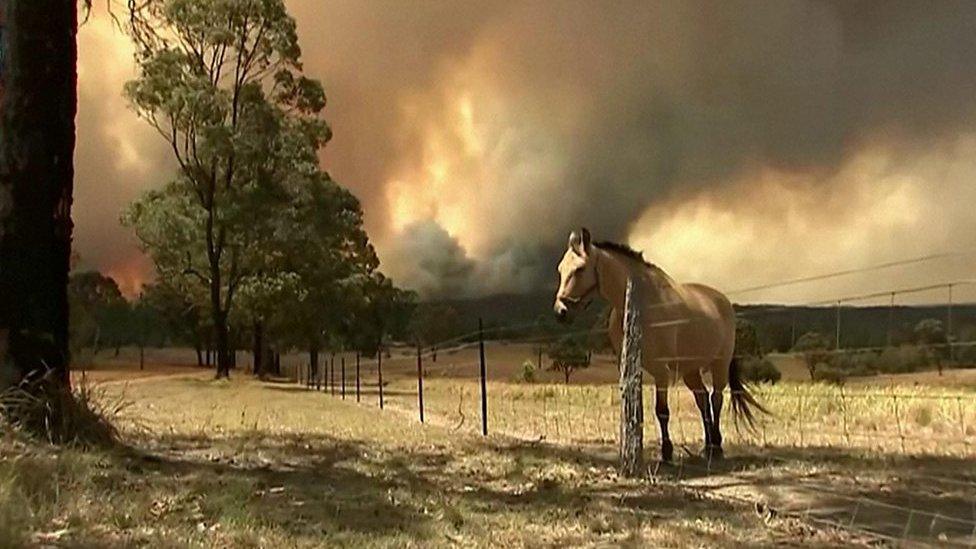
(577, 275)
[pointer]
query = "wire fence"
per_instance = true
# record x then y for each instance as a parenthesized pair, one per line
(893, 463)
(805, 459)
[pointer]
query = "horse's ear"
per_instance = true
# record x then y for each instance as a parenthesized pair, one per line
(579, 242)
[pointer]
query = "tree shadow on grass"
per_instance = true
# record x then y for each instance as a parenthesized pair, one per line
(931, 498)
(354, 491)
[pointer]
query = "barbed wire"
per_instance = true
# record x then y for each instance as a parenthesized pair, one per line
(857, 270)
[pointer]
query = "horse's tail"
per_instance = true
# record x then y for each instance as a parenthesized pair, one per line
(743, 402)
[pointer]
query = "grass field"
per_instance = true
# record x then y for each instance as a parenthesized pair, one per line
(249, 463)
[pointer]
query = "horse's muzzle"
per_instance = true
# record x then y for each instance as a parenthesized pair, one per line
(561, 311)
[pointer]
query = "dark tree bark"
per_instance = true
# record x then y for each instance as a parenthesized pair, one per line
(197, 347)
(258, 347)
(37, 140)
(313, 366)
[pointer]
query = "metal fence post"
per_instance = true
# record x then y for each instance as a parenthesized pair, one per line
(420, 384)
(484, 378)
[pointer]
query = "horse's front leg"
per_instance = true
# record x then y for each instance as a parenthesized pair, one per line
(663, 416)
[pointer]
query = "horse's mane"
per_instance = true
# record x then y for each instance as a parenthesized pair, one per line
(625, 250)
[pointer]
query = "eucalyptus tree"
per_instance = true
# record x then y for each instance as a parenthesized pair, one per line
(326, 248)
(221, 81)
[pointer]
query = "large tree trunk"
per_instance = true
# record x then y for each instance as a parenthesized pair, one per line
(223, 344)
(37, 140)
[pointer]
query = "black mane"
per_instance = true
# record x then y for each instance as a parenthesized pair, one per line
(623, 249)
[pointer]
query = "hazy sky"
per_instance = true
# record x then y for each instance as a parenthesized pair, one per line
(736, 143)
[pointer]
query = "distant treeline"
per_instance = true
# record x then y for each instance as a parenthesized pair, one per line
(778, 326)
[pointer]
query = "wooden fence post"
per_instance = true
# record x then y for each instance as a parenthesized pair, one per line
(342, 361)
(357, 376)
(420, 384)
(484, 377)
(332, 373)
(631, 398)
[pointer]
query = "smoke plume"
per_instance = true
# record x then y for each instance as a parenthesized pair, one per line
(736, 142)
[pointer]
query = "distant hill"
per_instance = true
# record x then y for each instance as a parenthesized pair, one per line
(778, 325)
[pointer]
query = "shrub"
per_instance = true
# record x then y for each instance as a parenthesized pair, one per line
(757, 370)
(527, 375)
(900, 360)
(856, 364)
(828, 373)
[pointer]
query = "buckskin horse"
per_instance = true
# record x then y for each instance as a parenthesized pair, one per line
(687, 329)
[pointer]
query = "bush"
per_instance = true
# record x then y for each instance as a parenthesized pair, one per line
(901, 360)
(856, 364)
(828, 373)
(965, 356)
(527, 375)
(758, 370)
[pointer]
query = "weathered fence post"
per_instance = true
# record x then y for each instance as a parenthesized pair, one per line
(631, 399)
(379, 371)
(420, 384)
(357, 376)
(332, 373)
(342, 372)
(484, 378)
(948, 329)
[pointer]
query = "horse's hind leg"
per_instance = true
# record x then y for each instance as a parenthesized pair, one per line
(663, 414)
(693, 380)
(720, 379)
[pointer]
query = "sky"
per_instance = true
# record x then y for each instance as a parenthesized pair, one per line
(735, 143)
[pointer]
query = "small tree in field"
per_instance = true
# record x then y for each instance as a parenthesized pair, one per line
(567, 355)
(815, 349)
(930, 335)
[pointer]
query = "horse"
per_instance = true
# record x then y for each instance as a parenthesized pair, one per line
(687, 329)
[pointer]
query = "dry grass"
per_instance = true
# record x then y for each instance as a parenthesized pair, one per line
(242, 463)
(250, 464)
(916, 420)
(896, 461)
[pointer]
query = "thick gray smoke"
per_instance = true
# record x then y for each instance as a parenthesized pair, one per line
(478, 134)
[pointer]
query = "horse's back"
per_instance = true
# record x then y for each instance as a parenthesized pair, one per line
(708, 301)
(712, 321)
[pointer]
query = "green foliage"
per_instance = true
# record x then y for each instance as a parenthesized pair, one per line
(528, 372)
(815, 348)
(251, 230)
(758, 370)
(569, 354)
(829, 373)
(432, 323)
(747, 339)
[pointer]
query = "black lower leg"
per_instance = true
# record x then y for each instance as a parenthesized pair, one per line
(663, 416)
(704, 406)
(717, 419)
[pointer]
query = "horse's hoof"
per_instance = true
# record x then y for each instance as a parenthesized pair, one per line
(667, 451)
